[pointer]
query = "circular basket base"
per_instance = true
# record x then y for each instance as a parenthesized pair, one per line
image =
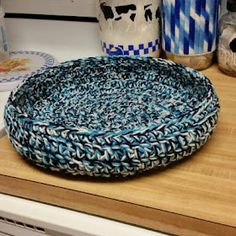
(111, 116)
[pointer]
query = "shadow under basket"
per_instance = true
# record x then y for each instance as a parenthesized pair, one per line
(111, 116)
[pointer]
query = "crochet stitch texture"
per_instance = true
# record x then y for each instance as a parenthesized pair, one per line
(111, 116)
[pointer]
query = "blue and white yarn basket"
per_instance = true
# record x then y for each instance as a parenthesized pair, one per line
(190, 27)
(111, 116)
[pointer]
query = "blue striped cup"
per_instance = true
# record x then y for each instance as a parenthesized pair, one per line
(190, 27)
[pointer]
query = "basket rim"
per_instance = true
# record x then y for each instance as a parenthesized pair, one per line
(210, 98)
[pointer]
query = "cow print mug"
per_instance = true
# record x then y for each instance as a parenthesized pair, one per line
(130, 27)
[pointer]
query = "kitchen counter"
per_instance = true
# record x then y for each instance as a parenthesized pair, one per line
(195, 197)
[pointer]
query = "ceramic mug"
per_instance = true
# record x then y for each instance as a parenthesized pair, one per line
(130, 27)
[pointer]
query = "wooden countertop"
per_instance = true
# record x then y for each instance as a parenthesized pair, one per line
(195, 197)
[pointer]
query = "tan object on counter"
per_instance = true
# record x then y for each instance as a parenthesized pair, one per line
(227, 41)
(194, 198)
(198, 62)
(227, 61)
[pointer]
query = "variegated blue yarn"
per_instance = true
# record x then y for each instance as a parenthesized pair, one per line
(111, 116)
(190, 27)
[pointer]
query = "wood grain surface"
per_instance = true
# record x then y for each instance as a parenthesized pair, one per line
(194, 197)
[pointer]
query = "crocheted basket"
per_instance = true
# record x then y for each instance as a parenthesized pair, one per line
(111, 116)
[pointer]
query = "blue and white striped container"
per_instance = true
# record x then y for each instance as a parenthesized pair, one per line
(190, 27)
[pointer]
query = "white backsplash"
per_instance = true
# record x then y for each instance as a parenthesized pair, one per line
(58, 7)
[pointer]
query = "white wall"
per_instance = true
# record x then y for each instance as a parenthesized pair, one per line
(53, 7)
(58, 7)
